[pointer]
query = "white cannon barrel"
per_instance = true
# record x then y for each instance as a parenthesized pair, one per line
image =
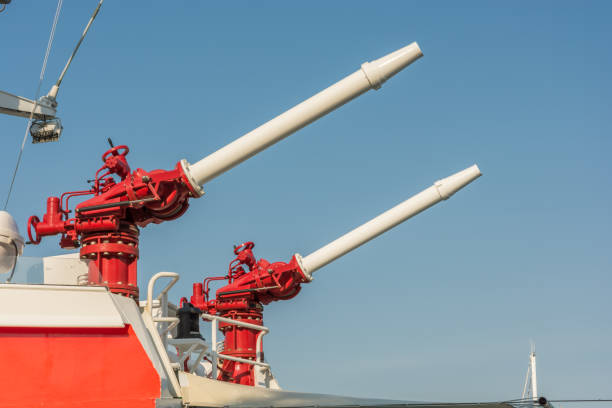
(441, 190)
(371, 76)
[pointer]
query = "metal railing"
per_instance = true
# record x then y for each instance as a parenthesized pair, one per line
(215, 355)
(151, 323)
(167, 323)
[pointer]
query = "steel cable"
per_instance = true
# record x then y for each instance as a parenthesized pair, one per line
(42, 75)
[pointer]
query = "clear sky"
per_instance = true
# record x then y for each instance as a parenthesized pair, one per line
(442, 307)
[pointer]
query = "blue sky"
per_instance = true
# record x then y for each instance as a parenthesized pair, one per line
(442, 307)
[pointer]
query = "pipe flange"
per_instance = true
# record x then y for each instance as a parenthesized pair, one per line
(195, 187)
(304, 272)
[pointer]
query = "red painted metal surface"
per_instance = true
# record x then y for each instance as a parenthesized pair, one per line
(243, 299)
(106, 225)
(70, 367)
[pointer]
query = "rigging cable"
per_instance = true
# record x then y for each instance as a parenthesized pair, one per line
(91, 19)
(42, 75)
(54, 89)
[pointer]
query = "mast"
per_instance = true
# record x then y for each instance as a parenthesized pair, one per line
(530, 389)
(534, 380)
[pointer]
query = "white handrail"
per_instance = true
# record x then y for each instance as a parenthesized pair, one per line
(174, 321)
(243, 360)
(263, 330)
(159, 341)
(163, 299)
(163, 304)
(173, 275)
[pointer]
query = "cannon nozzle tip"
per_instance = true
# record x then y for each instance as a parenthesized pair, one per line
(450, 185)
(378, 71)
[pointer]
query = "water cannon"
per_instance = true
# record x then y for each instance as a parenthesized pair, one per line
(106, 226)
(371, 76)
(253, 283)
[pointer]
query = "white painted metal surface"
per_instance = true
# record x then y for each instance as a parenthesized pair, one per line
(185, 349)
(131, 314)
(160, 349)
(534, 378)
(20, 106)
(57, 306)
(441, 190)
(9, 229)
(531, 378)
(67, 269)
(370, 76)
(205, 392)
(164, 323)
(174, 277)
(11, 242)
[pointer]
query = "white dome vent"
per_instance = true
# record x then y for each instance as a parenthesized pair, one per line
(11, 242)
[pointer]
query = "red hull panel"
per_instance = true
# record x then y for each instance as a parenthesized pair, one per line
(93, 367)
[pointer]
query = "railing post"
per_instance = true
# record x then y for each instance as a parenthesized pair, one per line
(258, 352)
(154, 278)
(213, 339)
(164, 312)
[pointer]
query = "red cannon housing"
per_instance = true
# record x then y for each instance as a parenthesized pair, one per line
(106, 226)
(242, 299)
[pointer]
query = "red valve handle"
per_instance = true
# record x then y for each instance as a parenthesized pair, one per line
(116, 151)
(243, 247)
(32, 222)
